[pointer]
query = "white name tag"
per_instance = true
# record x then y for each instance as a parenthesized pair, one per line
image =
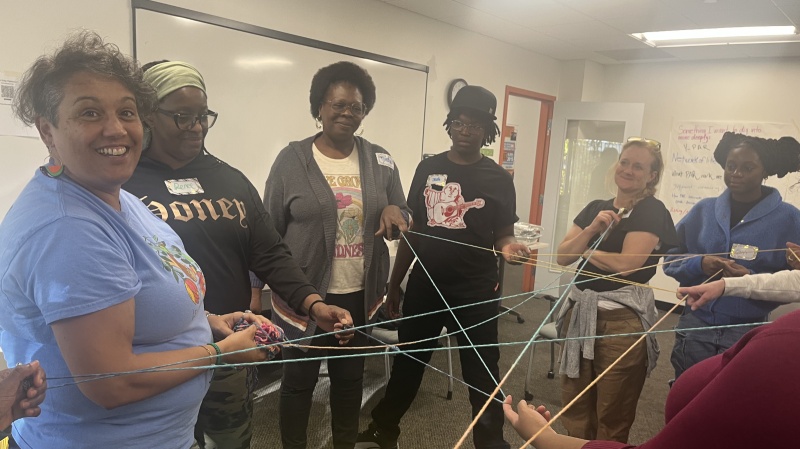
(743, 252)
(188, 186)
(437, 180)
(385, 160)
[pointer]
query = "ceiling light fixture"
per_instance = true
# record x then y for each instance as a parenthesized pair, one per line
(718, 36)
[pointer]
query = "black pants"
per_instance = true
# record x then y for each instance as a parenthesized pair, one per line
(407, 373)
(346, 376)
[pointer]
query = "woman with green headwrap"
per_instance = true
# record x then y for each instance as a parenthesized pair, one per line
(220, 218)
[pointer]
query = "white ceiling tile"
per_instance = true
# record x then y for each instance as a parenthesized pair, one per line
(613, 8)
(787, 50)
(580, 30)
(730, 13)
(706, 53)
(529, 14)
(438, 9)
(791, 8)
(618, 41)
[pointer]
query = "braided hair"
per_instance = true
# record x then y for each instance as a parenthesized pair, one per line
(778, 156)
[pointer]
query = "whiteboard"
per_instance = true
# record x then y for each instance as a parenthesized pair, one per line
(691, 173)
(258, 81)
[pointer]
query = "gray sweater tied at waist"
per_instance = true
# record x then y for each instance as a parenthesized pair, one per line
(583, 323)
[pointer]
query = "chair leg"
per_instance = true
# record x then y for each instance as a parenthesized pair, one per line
(513, 313)
(386, 364)
(528, 395)
(449, 370)
(551, 374)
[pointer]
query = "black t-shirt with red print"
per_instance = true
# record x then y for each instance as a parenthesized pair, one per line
(649, 215)
(466, 204)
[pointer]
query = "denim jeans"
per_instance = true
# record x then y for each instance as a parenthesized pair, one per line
(695, 346)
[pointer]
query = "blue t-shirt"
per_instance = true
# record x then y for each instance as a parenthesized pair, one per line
(65, 253)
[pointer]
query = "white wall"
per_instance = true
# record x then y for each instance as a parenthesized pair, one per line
(37, 26)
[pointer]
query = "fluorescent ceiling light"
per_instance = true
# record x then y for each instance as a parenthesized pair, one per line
(717, 36)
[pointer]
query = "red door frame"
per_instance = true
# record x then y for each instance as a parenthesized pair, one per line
(540, 167)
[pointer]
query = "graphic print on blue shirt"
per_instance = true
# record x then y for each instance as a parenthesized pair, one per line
(181, 266)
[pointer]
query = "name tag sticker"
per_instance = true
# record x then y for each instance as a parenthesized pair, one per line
(437, 180)
(188, 186)
(385, 160)
(743, 252)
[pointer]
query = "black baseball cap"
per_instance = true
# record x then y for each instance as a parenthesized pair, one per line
(476, 99)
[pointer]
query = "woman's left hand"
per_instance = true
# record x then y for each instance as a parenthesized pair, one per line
(391, 216)
(515, 253)
(222, 325)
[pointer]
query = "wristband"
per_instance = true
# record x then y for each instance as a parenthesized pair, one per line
(311, 307)
(219, 353)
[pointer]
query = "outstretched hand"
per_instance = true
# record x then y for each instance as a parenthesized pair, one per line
(527, 420)
(515, 253)
(334, 319)
(700, 295)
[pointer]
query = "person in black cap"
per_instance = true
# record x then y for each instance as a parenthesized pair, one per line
(747, 217)
(462, 196)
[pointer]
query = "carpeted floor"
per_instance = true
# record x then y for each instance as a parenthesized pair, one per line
(437, 423)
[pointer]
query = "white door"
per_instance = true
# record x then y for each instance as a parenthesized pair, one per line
(585, 141)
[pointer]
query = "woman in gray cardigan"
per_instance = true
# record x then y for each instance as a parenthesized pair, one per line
(334, 197)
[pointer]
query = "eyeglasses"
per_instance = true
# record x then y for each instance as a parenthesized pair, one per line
(653, 143)
(357, 109)
(459, 126)
(187, 121)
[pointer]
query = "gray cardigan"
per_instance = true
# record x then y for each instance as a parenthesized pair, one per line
(296, 188)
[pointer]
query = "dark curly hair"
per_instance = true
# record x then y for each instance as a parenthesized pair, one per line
(42, 87)
(778, 156)
(342, 71)
(490, 129)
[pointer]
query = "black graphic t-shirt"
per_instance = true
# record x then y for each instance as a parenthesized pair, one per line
(649, 215)
(218, 214)
(463, 203)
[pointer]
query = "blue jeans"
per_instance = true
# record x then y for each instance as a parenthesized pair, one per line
(695, 346)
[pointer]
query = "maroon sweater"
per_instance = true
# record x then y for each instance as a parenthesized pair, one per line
(748, 397)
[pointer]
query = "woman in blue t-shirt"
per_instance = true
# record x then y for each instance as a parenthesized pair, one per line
(609, 287)
(91, 281)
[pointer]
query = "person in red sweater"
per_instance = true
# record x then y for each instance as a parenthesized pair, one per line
(745, 397)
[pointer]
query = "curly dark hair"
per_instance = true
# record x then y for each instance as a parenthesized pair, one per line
(490, 129)
(42, 87)
(147, 66)
(778, 156)
(342, 71)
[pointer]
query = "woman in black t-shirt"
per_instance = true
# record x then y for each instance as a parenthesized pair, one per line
(608, 286)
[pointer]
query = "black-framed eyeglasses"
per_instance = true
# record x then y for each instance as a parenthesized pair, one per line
(459, 126)
(186, 122)
(653, 143)
(357, 109)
